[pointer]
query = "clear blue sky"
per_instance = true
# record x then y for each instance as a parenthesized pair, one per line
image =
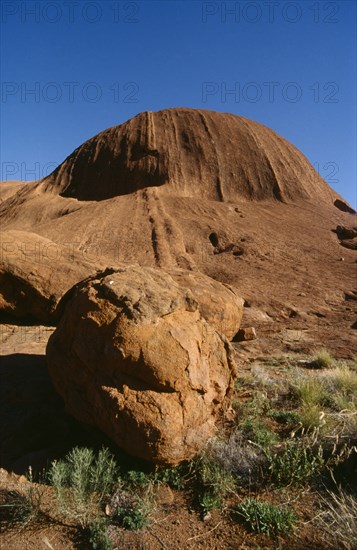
(91, 65)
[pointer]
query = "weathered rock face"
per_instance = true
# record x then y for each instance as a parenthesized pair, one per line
(35, 273)
(192, 152)
(220, 304)
(133, 356)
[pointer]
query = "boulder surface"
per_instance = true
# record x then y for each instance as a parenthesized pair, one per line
(220, 304)
(133, 355)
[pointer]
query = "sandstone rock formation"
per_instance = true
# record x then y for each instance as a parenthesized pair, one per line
(35, 273)
(212, 193)
(192, 153)
(133, 355)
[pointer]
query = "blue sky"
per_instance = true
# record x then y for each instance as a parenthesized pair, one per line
(71, 69)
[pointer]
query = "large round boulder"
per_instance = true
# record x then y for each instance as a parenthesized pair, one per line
(133, 355)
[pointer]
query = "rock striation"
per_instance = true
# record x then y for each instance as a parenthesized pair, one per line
(191, 152)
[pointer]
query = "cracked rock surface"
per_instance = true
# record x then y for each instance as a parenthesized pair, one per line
(133, 355)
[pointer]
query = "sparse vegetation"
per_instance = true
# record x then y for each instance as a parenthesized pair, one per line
(322, 359)
(214, 483)
(19, 508)
(98, 535)
(82, 481)
(291, 431)
(297, 464)
(22, 507)
(265, 517)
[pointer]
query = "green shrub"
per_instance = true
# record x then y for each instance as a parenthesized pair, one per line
(322, 359)
(264, 517)
(98, 535)
(259, 433)
(214, 483)
(131, 510)
(137, 478)
(82, 481)
(297, 464)
(134, 518)
(285, 417)
(175, 477)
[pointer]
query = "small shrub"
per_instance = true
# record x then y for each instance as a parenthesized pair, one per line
(285, 417)
(264, 517)
(251, 423)
(175, 477)
(214, 484)
(238, 456)
(297, 464)
(259, 433)
(322, 359)
(98, 535)
(131, 511)
(137, 478)
(135, 518)
(82, 481)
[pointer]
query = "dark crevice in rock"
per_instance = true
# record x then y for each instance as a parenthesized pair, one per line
(343, 206)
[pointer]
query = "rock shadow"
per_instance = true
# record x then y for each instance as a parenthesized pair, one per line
(34, 425)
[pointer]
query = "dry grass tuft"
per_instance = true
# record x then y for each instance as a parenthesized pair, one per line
(339, 519)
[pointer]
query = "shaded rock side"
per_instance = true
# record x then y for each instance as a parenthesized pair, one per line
(35, 273)
(133, 356)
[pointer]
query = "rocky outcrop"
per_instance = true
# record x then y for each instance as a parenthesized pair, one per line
(35, 273)
(206, 192)
(191, 152)
(347, 236)
(133, 355)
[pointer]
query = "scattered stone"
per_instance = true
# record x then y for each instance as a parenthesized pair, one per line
(245, 334)
(164, 495)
